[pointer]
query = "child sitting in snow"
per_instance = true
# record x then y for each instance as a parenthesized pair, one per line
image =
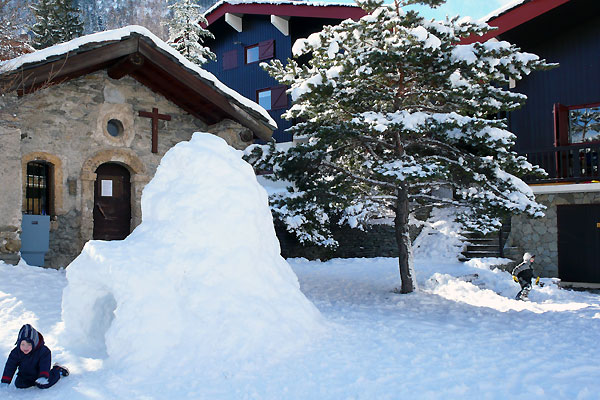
(523, 274)
(32, 358)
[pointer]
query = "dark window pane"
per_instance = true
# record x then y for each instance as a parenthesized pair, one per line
(37, 189)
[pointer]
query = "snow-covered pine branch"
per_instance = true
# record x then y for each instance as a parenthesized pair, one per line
(186, 35)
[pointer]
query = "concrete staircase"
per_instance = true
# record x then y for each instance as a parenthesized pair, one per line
(490, 245)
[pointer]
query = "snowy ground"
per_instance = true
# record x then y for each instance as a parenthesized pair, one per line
(451, 339)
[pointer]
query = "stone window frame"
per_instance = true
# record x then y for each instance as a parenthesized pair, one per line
(122, 113)
(55, 178)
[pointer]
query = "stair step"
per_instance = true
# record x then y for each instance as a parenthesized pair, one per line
(480, 247)
(480, 254)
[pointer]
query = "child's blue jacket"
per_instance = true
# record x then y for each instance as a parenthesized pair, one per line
(31, 366)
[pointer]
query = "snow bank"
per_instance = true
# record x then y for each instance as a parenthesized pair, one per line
(200, 285)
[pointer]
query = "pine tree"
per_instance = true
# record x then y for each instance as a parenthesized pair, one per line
(185, 33)
(67, 20)
(57, 21)
(393, 108)
(43, 29)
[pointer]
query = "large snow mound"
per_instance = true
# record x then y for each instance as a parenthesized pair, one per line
(199, 282)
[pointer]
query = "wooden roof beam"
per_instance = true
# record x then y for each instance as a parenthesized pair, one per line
(234, 20)
(205, 90)
(67, 66)
(126, 66)
(281, 23)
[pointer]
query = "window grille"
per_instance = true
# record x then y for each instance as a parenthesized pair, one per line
(37, 191)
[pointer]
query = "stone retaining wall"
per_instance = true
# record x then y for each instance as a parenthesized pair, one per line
(377, 241)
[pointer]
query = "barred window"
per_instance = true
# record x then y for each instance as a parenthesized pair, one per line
(37, 190)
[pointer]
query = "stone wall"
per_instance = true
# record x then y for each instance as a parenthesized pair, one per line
(66, 126)
(377, 241)
(540, 236)
(10, 189)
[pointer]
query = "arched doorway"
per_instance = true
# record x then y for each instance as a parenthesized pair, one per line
(112, 202)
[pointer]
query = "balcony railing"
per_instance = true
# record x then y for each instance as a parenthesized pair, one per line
(575, 163)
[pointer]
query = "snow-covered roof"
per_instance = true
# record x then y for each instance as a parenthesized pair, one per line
(278, 2)
(285, 8)
(514, 14)
(118, 34)
(503, 10)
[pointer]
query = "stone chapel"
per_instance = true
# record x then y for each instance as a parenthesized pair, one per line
(83, 127)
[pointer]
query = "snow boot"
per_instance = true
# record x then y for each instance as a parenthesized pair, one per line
(63, 370)
(523, 294)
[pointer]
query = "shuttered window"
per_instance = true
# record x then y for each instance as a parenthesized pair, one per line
(278, 97)
(260, 51)
(272, 98)
(230, 60)
(266, 49)
(561, 125)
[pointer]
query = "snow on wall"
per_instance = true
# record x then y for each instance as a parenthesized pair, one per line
(199, 284)
(118, 34)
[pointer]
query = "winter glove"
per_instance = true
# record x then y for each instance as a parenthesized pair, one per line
(515, 279)
(41, 381)
(537, 281)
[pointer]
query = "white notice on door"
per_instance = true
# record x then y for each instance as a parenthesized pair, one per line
(106, 188)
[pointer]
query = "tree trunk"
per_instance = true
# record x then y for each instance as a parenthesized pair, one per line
(405, 259)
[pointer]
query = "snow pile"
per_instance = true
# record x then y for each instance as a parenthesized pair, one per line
(440, 238)
(199, 285)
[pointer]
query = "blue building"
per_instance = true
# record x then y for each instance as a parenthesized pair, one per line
(559, 130)
(248, 33)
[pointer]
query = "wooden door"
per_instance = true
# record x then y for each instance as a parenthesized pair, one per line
(112, 202)
(579, 243)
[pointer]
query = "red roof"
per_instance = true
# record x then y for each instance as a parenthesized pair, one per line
(285, 9)
(516, 16)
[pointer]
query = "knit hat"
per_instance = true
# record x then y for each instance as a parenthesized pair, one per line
(29, 334)
(527, 257)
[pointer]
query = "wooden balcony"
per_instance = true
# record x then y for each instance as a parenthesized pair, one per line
(567, 164)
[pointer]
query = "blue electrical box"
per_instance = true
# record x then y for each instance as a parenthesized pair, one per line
(35, 238)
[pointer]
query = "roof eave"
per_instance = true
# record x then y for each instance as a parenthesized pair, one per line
(340, 12)
(57, 69)
(514, 17)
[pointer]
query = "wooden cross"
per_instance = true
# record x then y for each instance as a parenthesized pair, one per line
(155, 117)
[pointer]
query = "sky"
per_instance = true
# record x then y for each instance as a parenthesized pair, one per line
(473, 8)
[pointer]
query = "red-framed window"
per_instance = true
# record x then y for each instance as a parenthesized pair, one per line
(230, 60)
(272, 98)
(576, 124)
(260, 51)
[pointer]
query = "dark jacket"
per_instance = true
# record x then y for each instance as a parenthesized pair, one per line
(524, 272)
(31, 366)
